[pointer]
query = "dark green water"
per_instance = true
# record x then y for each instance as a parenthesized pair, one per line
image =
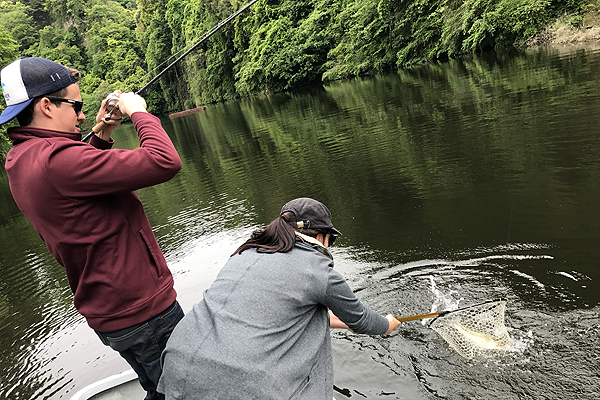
(452, 183)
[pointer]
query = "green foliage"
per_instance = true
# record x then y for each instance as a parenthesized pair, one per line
(37, 11)
(5, 144)
(58, 45)
(112, 48)
(362, 45)
(159, 46)
(145, 9)
(8, 48)
(276, 45)
(437, 29)
(482, 24)
(16, 19)
(269, 58)
(287, 50)
(66, 12)
(8, 53)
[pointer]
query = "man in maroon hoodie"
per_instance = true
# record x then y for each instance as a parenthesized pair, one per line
(80, 199)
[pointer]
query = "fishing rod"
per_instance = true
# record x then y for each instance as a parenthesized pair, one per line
(113, 100)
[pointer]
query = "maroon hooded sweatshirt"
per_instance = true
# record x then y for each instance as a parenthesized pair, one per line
(79, 198)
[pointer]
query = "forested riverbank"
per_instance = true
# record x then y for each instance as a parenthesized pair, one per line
(276, 45)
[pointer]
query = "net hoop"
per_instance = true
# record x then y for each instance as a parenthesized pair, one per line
(472, 329)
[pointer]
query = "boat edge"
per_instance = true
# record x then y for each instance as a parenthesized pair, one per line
(104, 384)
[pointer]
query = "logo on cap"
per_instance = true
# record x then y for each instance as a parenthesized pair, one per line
(6, 95)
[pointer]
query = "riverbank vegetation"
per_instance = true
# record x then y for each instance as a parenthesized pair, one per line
(274, 46)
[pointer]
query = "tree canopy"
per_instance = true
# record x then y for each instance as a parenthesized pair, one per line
(276, 45)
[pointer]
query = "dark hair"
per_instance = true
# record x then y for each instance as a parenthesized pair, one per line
(278, 236)
(25, 117)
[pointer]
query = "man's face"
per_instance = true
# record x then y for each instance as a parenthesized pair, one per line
(66, 119)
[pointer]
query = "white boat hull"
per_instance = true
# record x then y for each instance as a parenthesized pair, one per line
(123, 386)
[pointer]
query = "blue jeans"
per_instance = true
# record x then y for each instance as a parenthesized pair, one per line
(141, 346)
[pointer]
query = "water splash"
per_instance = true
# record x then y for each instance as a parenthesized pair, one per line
(515, 342)
(442, 301)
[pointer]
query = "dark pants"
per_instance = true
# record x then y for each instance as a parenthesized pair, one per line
(141, 346)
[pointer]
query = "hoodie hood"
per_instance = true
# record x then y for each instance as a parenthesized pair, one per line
(314, 243)
(20, 134)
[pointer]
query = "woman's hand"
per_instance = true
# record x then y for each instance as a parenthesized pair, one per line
(336, 323)
(393, 323)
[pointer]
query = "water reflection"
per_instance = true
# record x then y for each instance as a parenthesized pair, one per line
(479, 175)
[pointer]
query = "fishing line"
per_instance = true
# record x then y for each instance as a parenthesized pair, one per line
(98, 126)
(168, 60)
(510, 220)
(209, 34)
(176, 54)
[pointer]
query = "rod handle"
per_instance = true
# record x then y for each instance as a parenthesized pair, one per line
(97, 128)
(420, 316)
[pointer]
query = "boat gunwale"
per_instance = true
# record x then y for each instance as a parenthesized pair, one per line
(105, 384)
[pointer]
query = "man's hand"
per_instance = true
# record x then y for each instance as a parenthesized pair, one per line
(130, 103)
(106, 127)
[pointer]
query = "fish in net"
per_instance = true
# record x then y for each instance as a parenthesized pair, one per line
(471, 329)
(479, 327)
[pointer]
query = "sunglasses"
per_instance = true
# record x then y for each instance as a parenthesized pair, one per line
(77, 105)
(332, 238)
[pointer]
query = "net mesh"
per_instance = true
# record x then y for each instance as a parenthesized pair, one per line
(472, 329)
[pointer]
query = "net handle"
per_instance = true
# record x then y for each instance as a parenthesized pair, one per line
(440, 314)
(420, 316)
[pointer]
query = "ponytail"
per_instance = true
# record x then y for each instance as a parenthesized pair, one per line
(278, 236)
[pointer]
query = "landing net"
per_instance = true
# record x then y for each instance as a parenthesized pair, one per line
(471, 329)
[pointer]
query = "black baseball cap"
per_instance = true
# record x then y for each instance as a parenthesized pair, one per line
(311, 214)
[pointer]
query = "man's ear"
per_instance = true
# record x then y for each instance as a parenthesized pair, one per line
(44, 106)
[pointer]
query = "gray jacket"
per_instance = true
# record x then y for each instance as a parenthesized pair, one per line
(262, 330)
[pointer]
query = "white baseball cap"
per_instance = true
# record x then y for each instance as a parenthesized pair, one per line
(28, 78)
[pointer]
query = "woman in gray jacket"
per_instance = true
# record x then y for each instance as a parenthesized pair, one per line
(262, 329)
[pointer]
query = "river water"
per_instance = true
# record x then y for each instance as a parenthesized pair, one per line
(453, 184)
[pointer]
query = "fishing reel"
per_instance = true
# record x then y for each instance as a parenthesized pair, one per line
(112, 104)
